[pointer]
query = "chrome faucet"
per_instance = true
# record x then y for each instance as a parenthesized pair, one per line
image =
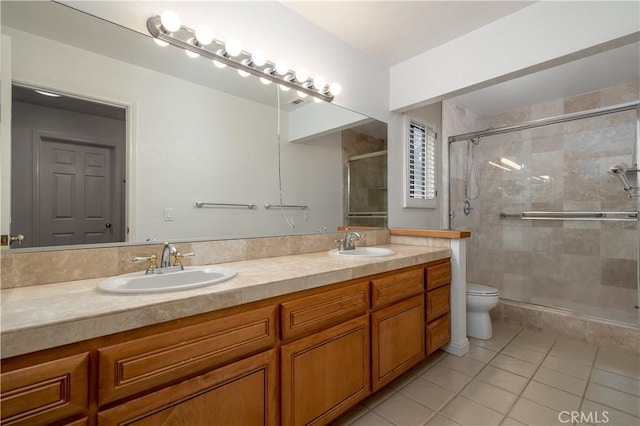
(348, 239)
(165, 260)
(168, 251)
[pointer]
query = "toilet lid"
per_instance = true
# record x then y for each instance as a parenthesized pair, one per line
(481, 290)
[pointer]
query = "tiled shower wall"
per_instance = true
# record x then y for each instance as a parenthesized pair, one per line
(588, 267)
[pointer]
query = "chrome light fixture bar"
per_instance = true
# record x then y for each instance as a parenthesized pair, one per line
(185, 38)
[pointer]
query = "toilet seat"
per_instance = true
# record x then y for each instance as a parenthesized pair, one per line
(481, 290)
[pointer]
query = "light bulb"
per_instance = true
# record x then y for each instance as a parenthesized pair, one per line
(243, 73)
(265, 81)
(204, 35)
(259, 58)
(335, 89)
(191, 54)
(301, 75)
(302, 94)
(233, 47)
(282, 67)
(160, 43)
(170, 21)
(284, 88)
(319, 83)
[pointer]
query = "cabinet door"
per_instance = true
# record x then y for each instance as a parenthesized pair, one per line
(242, 393)
(46, 393)
(326, 373)
(397, 334)
(438, 333)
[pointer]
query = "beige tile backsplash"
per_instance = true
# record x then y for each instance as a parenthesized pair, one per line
(45, 267)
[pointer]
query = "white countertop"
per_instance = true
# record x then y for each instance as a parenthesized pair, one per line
(40, 317)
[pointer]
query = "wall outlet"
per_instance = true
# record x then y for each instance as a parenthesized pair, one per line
(168, 213)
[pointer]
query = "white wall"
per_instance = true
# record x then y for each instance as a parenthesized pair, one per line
(537, 37)
(223, 150)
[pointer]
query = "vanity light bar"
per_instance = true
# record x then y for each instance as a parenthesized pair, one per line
(189, 43)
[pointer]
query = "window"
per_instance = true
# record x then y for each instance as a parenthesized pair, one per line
(420, 165)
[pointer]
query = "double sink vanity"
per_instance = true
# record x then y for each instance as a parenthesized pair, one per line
(290, 340)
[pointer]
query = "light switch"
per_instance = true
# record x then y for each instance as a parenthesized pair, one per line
(168, 213)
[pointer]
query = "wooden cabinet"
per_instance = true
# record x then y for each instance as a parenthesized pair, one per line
(397, 340)
(142, 364)
(296, 359)
(324, 374)
(46, 393)
(438, 296)
(241, 393)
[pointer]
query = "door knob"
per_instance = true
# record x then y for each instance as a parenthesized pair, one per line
(6, 240)
(107, 225)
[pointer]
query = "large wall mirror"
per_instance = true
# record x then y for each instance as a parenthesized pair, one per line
(141, 133)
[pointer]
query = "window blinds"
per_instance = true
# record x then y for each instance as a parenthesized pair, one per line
(422, 144)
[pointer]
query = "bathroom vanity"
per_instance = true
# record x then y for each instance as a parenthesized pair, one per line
(297, 354)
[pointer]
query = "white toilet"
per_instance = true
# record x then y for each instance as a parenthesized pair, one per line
(480, 300)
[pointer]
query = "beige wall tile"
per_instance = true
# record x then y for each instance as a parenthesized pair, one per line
(6, 271)
(63, 265)
(624, 337)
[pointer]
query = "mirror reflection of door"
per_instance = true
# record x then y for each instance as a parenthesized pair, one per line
(67, 183)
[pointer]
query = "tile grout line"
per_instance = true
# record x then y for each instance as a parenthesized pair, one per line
(459, 393)
(530, 379)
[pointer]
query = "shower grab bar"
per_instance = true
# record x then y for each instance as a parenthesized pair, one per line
(200, 204)
(611, 216)
(285, 206)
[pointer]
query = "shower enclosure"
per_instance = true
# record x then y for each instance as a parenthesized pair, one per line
(552, 209)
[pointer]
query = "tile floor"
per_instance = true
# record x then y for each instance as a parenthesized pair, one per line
(519, 377)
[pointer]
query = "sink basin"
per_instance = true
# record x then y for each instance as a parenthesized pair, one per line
(192, 277)
(363, 252)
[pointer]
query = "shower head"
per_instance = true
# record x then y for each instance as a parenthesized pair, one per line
(620, 170)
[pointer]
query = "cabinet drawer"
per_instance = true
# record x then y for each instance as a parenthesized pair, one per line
(46, 393)
(438, 333)
(394, 288)
(438, 275)
(142, 364)
(438, 302)
(323, 310)
(241, 393)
